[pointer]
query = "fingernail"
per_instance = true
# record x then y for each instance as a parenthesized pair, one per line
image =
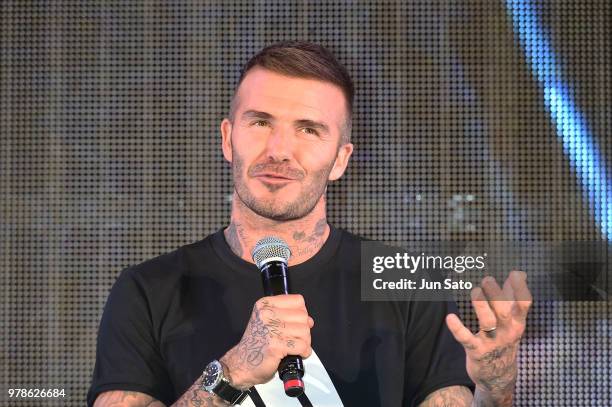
(520, 274)
(488, 280)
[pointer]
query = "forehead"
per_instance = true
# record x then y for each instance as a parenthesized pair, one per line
(290, 97)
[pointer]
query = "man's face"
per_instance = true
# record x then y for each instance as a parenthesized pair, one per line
(284, 142)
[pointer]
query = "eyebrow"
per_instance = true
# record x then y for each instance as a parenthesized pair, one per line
(256, 114)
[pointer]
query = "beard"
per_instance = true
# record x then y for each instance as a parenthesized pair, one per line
(279, 206)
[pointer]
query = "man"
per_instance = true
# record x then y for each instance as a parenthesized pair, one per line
(201, 307)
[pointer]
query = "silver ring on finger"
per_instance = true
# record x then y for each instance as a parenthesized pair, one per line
(489, 332)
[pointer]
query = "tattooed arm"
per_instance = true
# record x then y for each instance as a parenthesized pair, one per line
(195, 396)
(461, 396)
(120, 398)
(452, 396)
(494, 389)
(499, 369)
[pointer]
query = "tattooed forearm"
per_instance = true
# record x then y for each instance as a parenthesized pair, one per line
(452, 396)
(193, 397)
(196, 397)
(119, 398)
(484, 399)
(247, 354)
(497, 378)
(499, 368)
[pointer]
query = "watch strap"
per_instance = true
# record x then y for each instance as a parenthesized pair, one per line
(229, 393)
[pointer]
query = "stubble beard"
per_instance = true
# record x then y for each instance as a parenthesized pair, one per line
(281, 207)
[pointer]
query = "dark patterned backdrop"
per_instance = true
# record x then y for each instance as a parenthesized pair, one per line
(475, 120)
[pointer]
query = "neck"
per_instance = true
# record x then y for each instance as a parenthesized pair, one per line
(305, 236)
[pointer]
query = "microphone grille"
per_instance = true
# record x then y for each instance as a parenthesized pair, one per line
(268, 248)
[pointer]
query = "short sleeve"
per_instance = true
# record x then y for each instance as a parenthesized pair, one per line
(127, 354)
(434, 359)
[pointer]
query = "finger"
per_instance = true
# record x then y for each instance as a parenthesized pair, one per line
(484, 313)
(461, 333)
(297, 331)
(284, 301)
(522, 295)
(507, 290)
(502, 306)
(292, 315)
(297, 347)
(306, 354)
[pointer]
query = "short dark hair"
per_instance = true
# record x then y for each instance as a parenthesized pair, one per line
(303, 59)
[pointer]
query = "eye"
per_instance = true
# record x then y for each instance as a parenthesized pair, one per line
(258, 122)
(309, 130)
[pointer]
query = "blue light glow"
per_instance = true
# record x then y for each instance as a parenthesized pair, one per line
(579, 144)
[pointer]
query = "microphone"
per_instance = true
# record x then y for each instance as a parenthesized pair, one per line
(271, 255)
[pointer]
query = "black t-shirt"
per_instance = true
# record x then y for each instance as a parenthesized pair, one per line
(167, 318)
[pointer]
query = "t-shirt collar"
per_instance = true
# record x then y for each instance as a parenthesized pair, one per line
(312, 265)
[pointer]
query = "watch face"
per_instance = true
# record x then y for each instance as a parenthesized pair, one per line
(211, 376)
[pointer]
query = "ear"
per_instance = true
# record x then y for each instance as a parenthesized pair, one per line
(342, 159)
(226, 139)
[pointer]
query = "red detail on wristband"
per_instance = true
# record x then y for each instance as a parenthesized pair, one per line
(293, 383)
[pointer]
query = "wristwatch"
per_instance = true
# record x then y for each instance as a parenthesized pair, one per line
(214, 381)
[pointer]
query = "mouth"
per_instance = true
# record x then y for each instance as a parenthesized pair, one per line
(273, 178)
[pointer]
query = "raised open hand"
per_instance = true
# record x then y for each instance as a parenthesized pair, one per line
(491, 352)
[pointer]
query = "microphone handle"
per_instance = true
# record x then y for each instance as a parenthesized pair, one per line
(275, 279)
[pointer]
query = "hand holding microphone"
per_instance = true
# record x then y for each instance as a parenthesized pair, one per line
(277, 335)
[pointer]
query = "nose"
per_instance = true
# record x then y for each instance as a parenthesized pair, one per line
(279, 145)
